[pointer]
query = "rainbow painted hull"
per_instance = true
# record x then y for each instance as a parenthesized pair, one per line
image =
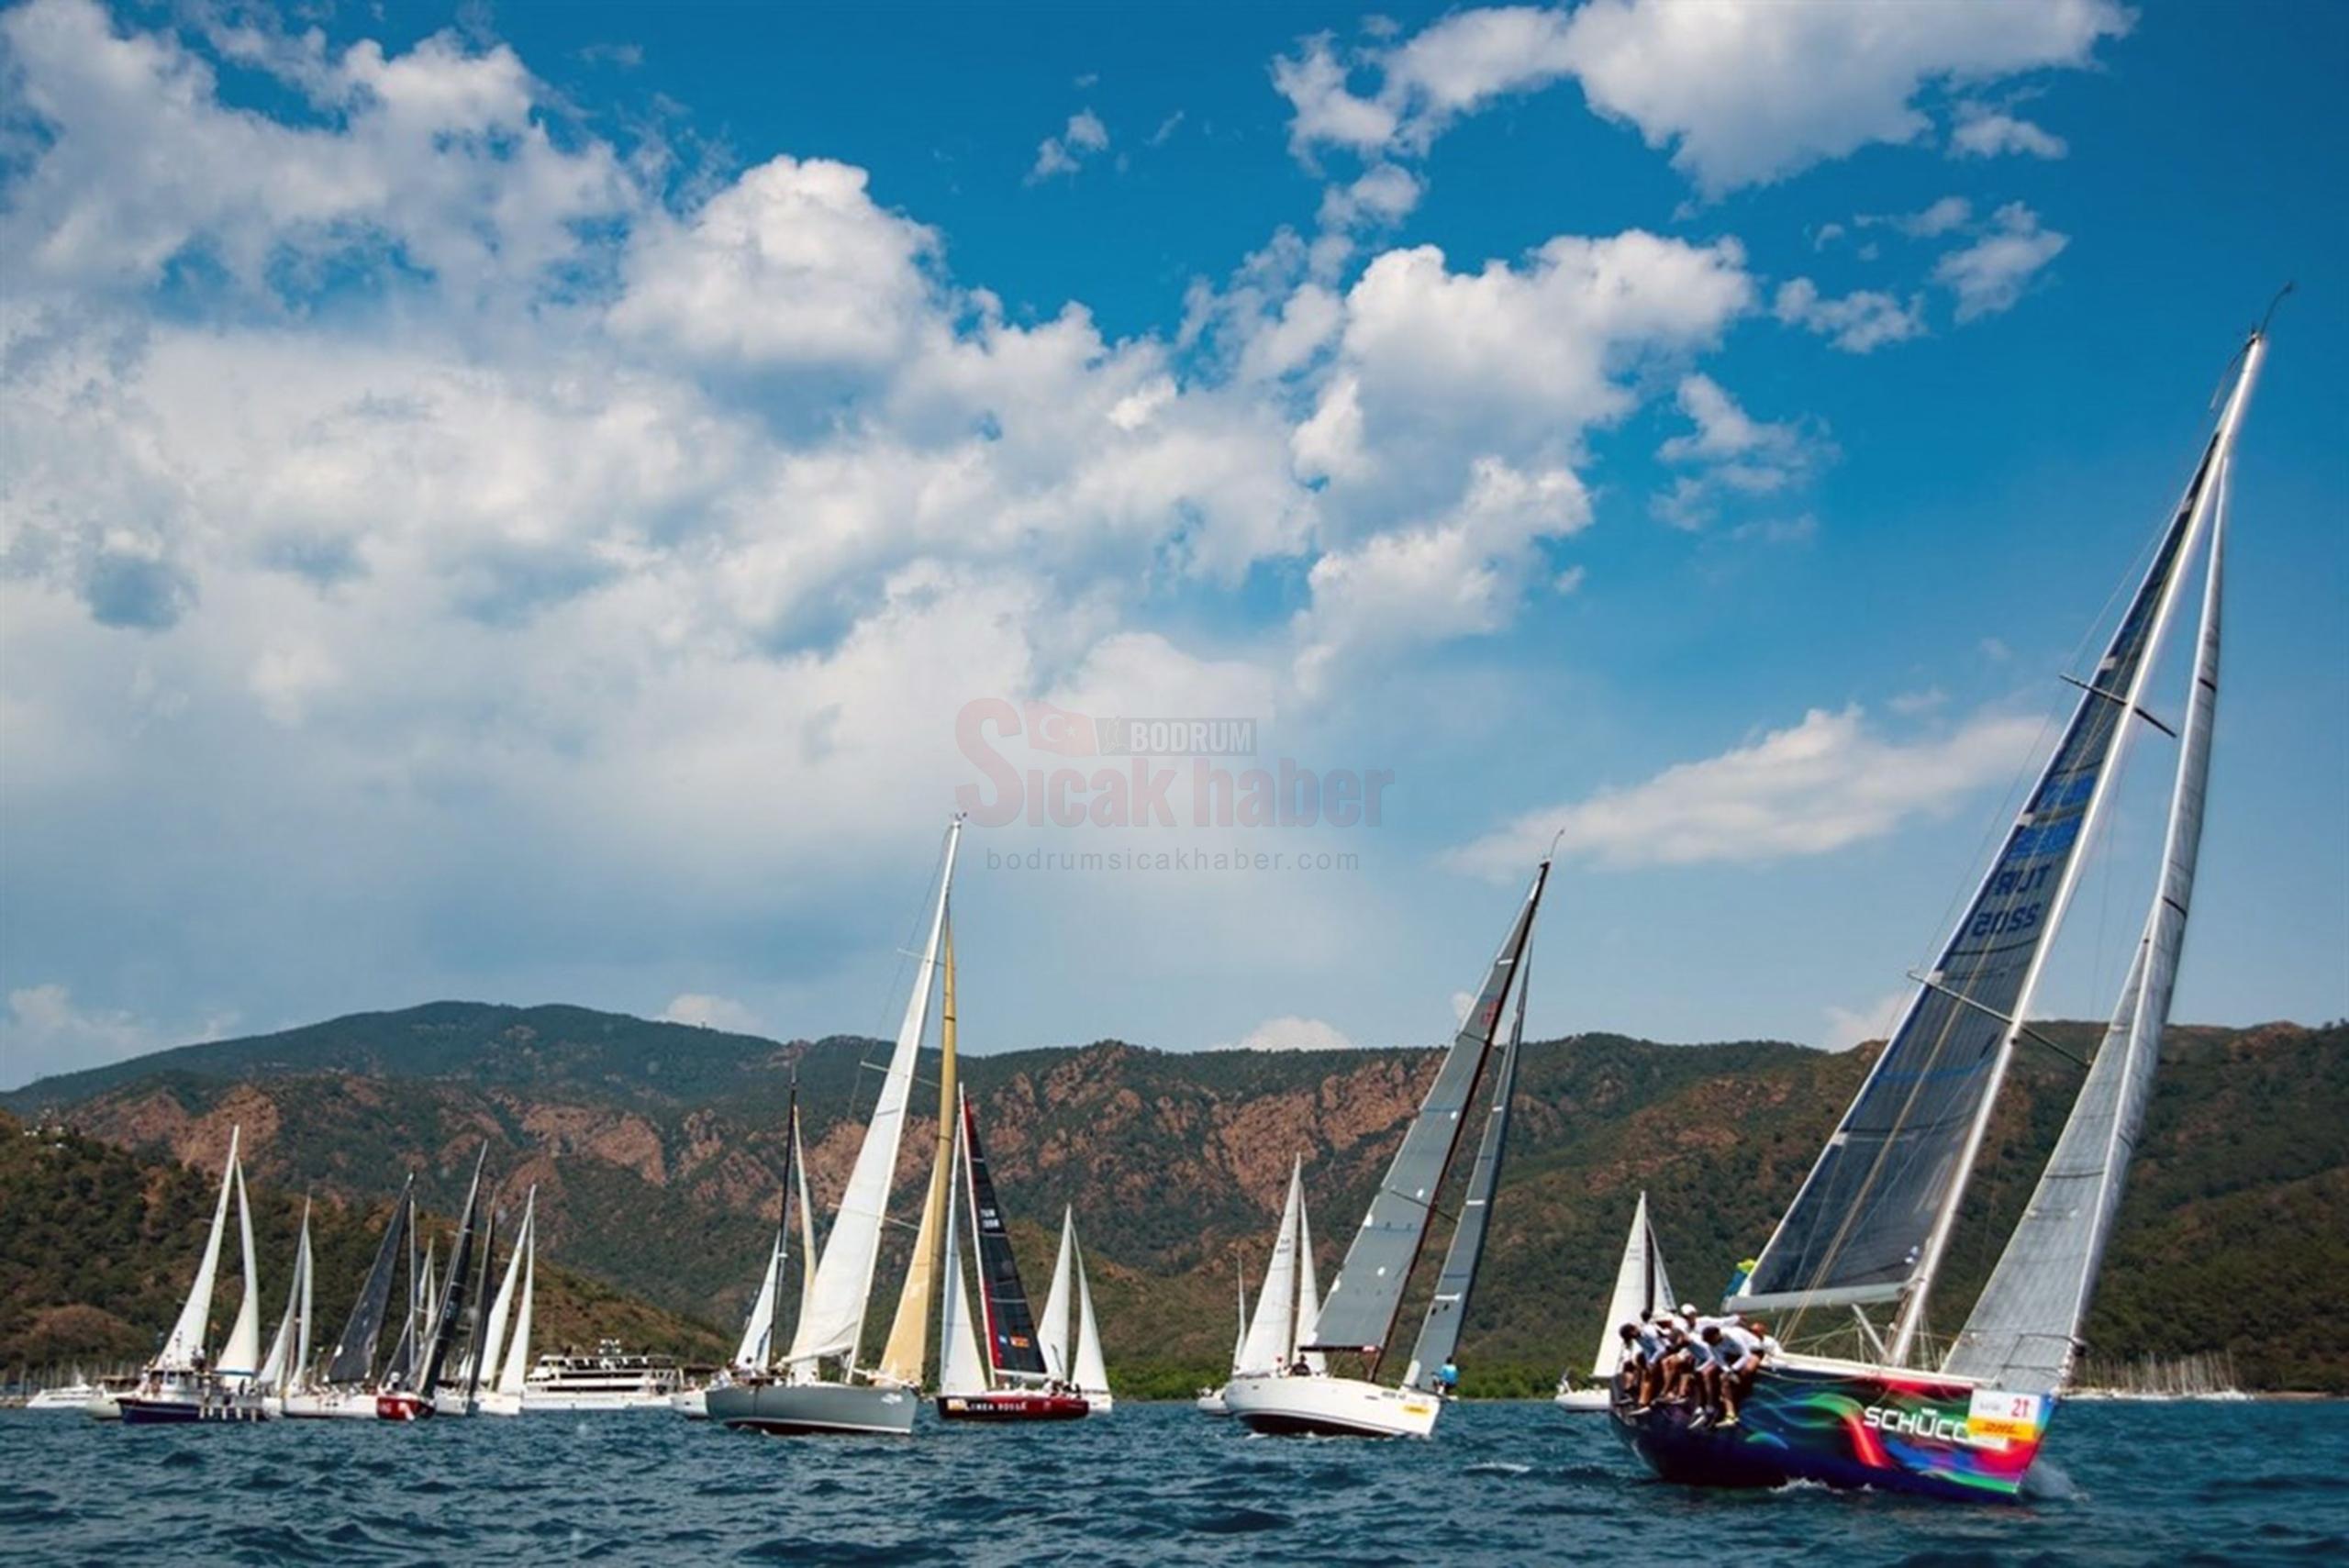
(1848, 1427)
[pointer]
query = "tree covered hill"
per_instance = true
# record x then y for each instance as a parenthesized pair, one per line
(657, 1150)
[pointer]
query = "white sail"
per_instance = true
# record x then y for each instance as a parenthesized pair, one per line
(427, 1298)
(517, 1352)
(1641, 1287)
(1239, 1336)
(960, 1369)
(306, 1270)
(240, 1353)
(833, 1322)
(1309, 1286)
(1271, 1343)
(2024, 1330)
(1091, 1376)
(186, 1344)
(494, 1339)
(758, 1331)
(807, 1219)
(286, 1353)
(1051, 1330)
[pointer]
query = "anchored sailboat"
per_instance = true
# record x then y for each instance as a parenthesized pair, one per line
(1359, 1315)
(1008, 1379)
(1641, 1290)
(1871, 1225)
(183, 1382)
(874, 1400)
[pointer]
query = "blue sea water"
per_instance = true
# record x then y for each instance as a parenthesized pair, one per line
(1499, 1483)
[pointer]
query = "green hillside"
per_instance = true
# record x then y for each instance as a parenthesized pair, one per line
(657, 1149)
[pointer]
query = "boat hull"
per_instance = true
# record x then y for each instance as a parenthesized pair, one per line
(1012, 1404)
(166, 1411)
(797, 1409)
(403, 1407)
(331, 1405)
(1210, 1402)
(1331, 1407)
(1848, 1425)
(1585, 1401)
(693, 1404)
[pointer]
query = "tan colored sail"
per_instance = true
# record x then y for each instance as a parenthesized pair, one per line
(901, 1359)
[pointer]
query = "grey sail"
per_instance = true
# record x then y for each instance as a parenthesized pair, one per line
(1360, 1311)
(1448, 1307)
(353, 1360)
(2024, 1330)
(1875, 1207)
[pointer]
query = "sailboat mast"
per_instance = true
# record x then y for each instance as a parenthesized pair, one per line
(1913, 1311)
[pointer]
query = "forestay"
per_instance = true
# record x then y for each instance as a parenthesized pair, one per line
(1368, 1291)
(1866, 1219)
(2024, 1330)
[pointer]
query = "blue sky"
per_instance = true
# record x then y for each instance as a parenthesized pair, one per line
(510, 502)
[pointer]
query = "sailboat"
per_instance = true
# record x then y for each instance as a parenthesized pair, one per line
(1359, 1315)
(1210, 1400)
(414, 1396)
(345, 1387)
(1270, 1342)
(1871, 1225)
(1641, 1290)
(287, 1364)
(822, 1389)
(182, 1383)
(754, 1352)
(507, 1361)
(1009, 1378)
(1079, 1365)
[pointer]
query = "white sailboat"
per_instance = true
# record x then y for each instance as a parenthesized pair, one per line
(1642, 1288)
(1210, 1400)
(755, 1351)
(345, 1385)
(1871, 1225)
(286, 1367)
(1078, 1361)
(1270, 1342)
(507, 1361)
(183, 1382)
(822, 1389)
(1364, 1300)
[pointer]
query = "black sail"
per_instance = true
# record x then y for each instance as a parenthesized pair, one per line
(455, 1295)
(1012, 1347)
(353, 1360)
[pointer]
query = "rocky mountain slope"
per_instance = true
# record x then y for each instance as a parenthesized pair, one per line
(657, 1150)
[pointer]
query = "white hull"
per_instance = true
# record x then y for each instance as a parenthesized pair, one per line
(1331, 1407)
(693, 1404)
(330, 1404)
(489, 1402)
(103, 1407)
(1210, 1403)
(542, 1402)
(53, 1401)
(1098, 1401)
(1584, 1401)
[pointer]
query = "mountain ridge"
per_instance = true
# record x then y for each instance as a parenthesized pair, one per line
(657, 1150)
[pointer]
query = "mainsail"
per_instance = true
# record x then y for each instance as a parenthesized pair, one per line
(493, 1342)
(289, 1350)
(240, 1353)
(755, 1348)
(833, 1322)
(511, 1377)
(1874, 1216)
(1368, 1292)
(1011, 1344)
(960, 1371)
(1090, 1376)
(449, 1309)
(1309, 1288)
(184, 1347)
(353, 1360)
(1641, 1288)
(2025, 1327)
(908, 1345)
(1448, 1307)
(1271, 1343)
(1051, 1330)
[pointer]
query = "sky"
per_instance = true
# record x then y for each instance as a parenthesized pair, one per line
(548, 503)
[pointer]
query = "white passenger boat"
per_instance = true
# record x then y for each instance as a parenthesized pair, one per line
(609, 1379)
